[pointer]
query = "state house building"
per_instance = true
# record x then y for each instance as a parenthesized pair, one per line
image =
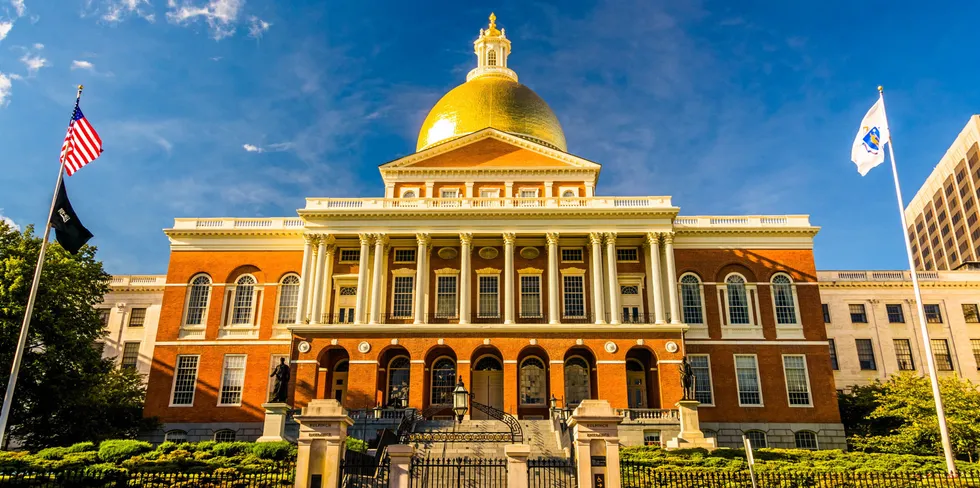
(490, 257)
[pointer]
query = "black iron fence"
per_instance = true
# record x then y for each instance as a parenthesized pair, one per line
(551, 473)
(638, 475)
(458, 473)
(359, 470)
(120, 479)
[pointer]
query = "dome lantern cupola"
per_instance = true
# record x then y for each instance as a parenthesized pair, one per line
(492, 49)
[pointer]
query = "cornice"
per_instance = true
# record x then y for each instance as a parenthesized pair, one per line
(409, 329)
(508, 212)
(899, 284)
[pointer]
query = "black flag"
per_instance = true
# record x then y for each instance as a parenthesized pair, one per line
(69, 231)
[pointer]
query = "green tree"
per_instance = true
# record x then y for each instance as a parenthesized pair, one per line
(905, 405)
(66, 392)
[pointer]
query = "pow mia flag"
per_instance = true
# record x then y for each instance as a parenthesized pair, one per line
(68, 230)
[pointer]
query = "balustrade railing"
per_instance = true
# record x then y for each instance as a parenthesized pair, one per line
(453, 318)
(649, 414)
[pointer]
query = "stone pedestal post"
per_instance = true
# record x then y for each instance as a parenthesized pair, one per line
(690, 435)
(401, 465)
(275, 422)
(322, 443)
(595, 432)
(517, 455)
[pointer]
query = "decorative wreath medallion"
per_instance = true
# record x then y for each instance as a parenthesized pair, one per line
(303, 346)
(611, 347)
(530, 252)
(364, 347)
(488, 252)
(671, 346)
(447, 252)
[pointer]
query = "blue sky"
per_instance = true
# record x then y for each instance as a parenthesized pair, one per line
(730, 107)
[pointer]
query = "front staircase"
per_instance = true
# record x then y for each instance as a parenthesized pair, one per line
(446, 439)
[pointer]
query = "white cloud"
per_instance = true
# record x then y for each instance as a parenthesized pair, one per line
(221, 15)
(252, 148)
(8, 220)
(33, 60)
(4, 89)
(277, 147)
(256, 27)
(116, 10)
(19, 7)
(5, 27)
(76, 64)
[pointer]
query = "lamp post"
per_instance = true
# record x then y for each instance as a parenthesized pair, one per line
(460, 399)
(554, 402)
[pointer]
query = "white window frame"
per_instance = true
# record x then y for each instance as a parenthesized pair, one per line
(563, 189)
(173, 386)
(249, 330)
(758, 379)
(488, 272)
(196, 330)
(402, 273)
(806, 375)
(279, 298)
(494, 192)
(530, 272)
(221, 388)
(698, 330)
(561, 254)
(751, 330)
(816, 440)
(453, 192)
(406, 189)
(447, 272)
(786, 331)
(340, 255)
(233, 296)
(711, 380)
(585, 303)
(387, 370)
(634, 248)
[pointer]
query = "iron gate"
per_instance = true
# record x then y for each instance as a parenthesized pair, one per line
(458, 473)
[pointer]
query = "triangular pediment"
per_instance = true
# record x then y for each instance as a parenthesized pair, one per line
(490, 149)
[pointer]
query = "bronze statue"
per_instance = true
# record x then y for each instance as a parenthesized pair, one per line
(281, 387)
(687, 379)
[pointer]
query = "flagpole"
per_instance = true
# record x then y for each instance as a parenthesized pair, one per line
(930, 360)
(22, 341)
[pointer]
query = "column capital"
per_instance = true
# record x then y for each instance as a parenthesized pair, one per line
(595, 238)
(381, 239)
(668, 237)
(611, 238)
(365, 239)
(652, 239)
(510, 238)
(466, 238)
(552, 238)
(423, 239)
(330, 249)
(312, 239)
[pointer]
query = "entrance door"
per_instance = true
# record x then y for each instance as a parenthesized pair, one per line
(346, 300)
(632, 304)
(338, 390)
(488, 385)
(636, 384)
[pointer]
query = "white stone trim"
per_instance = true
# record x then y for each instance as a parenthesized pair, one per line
(229, 342)
(806, 374)
(303, 361)
(755, 343)
(758, 380)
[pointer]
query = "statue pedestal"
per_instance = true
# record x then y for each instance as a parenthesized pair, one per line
(275, 422)
(690, 435)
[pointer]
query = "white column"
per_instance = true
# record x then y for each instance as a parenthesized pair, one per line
(321, 259)
(675, 315)
(595, 239)
(613, 278)
(653, 239)
(554, 313)
(509, 240)
(421, 267)
(465, 278)
(304, 279)
(362, 279)
(379, 253)
(327, 284)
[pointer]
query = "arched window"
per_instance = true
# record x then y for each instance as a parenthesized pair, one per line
(738, 302)
(577, 384)
(288, 299)
(568, 194)
(399, 376)
(757, 438)
(443, 381)
(409, 194)
(197, 300)
(634, 365)
(244, 303)
(224, 435)
(488, 363)
(534, 382)
(785, 303)
(691, 299)
(177, 436)
(805, 439)
(492, 58)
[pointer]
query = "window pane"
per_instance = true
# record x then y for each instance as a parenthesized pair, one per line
(244, 295)
(866, 354)
(136, 317)
(895, 313)
(757, 438)
(933, 315)
(224, 436)
(353, 255)
(533, 382)
(833, 355)
(574, 291)
(232, 380)
(176, 436)
(975, 345)
(443, 381)
(805, 440)
(577, 382)
(489, 305)
(446, 296)
(402, 304)
(184, 380)
(530, 296)
(651, 438)
(700, 365)
(738, 305)
(627, 254)
(940, 351)
(691, 300)
(971, 314)
(857, 313)
(903, 353)
(826, 313)
(288, 300)
(573, 254)
(399, 376)
(782, 290)
(131, 352)
(747, 377)
(404, 255)
(198, 300)
(796, 380)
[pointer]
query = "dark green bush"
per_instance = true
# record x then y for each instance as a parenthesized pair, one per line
(356, 445)
(115, 451)
(82, 447)
(231, 448)
(276, 451)
(52, 453)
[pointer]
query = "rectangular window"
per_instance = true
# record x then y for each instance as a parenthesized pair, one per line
(571, 255)
(449, 193)
(185, 380)
(574, 293)
(401, 305)
(903, 353)
(833, 355)
(933, 315)
(826, 313)
(489, 296)
(136, 317)
(858, 316)
(446, 299)
(895, 313)
(104, 316)
(350, 255)
(627, 255)
(405, 255)
(747, 379)
(232, 380)
(975, 345)
(797, 382)
(701, 366)
(530, 296)
(131, 354)
(866, 354)
(940, 351)
(528, 193)
(971, 314)
(651, 438)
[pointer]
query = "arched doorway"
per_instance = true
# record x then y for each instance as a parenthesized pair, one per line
(580, 381)
(334, 364)
(533, 384)
(338, 386)
(642, 380)
(439, 381)
(394, 377)
(636, 384)
(487, 385)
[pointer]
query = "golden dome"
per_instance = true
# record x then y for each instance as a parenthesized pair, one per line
(491, 101)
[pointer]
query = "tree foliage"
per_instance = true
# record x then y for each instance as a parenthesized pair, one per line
(66, 392)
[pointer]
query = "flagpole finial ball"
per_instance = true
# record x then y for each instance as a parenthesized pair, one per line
(880, 88)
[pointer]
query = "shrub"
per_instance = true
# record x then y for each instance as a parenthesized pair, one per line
(74, 460)
(81, 447)
(231, 448)
(116, 451)
(356, 445)
(276, 451)
(166, 447)
(52, 453)
(14, 461)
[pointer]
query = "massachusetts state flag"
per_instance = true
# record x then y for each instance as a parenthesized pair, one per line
(82, 144)
(868, 150)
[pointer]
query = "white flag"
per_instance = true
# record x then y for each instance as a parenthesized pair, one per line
(869, 144)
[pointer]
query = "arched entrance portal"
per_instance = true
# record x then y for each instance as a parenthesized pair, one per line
(487, 384)
(642, 380)
(333, 365)
(636, 384)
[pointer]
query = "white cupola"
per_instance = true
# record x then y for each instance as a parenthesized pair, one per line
(492, 49)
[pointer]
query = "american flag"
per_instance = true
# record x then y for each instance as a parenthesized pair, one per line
(82, 144)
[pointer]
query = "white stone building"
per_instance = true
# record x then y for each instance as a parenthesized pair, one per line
(874, 330)
(131, 312)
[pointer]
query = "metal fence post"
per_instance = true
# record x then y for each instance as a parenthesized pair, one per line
(399, 475)
(517, 455)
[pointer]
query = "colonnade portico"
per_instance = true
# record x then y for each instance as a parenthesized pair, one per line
(320, 251)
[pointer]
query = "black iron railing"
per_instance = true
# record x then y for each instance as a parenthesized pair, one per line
(516, 432)
(79, 478)
(458, 473)
(359, 470)
(551, 473)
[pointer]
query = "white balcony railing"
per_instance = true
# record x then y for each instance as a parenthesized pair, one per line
(138, 280)
(232, 224)
(328, 204)
(895, 276)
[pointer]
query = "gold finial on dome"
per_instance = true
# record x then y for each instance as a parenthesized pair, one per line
(492, 30)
